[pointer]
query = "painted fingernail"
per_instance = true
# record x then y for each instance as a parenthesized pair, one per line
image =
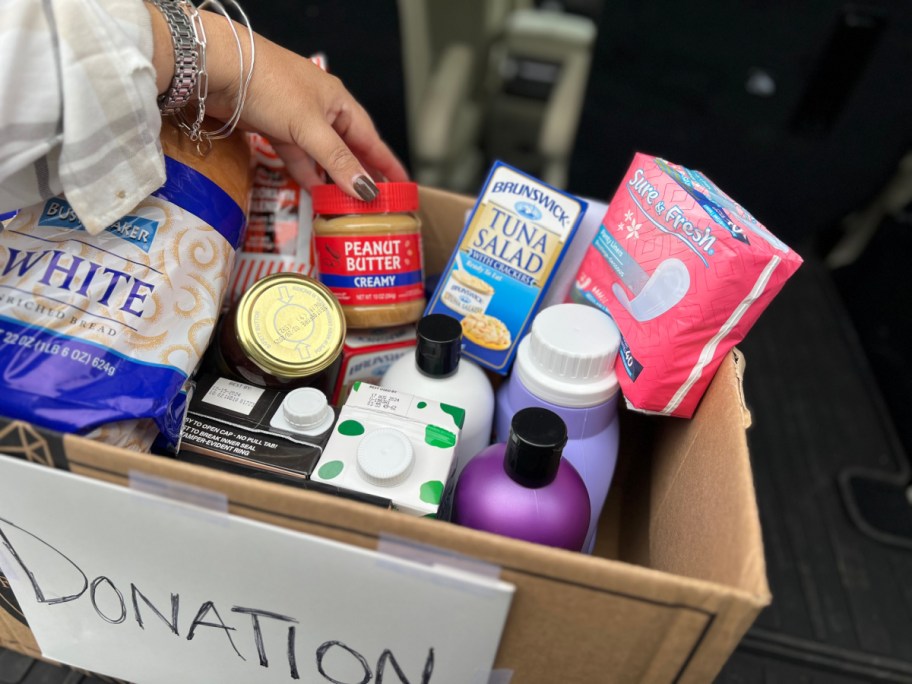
(365, 188)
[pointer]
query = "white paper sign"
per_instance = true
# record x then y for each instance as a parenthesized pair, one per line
(150, 590)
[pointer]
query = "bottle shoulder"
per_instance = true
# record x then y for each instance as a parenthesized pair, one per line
(468, 381)
(487, 498)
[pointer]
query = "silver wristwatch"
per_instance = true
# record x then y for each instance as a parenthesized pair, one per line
(186, 56)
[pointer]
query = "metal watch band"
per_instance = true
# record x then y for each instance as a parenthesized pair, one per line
(186, 56)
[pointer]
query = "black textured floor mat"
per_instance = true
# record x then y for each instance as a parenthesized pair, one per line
(749, 668)
(842, 601)
(879, 300)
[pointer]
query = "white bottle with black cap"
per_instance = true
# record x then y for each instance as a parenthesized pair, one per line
(438, 372)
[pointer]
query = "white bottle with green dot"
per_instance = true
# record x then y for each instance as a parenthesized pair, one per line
(438, 372)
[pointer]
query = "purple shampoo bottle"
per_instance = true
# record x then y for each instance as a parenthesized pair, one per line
(523, 488)
(566, 364)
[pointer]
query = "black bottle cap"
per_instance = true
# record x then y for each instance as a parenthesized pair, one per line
(439, 345)
(533, 454)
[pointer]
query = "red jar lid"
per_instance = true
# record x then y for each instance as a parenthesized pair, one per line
(393, 198)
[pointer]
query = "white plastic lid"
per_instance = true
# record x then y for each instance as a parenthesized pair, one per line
(568, 356)
(385, 457)
(305, 410)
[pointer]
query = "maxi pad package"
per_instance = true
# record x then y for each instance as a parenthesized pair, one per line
(685, 271)
(505, 259)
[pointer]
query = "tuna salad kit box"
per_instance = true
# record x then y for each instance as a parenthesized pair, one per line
(676, 579)
(504, 261)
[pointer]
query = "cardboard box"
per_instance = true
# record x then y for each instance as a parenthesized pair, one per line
(678, 575)
(412, 453)
(368, 354)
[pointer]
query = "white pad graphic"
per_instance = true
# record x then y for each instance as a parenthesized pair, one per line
(666, 287)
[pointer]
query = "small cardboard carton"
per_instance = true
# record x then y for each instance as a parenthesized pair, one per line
(678, 573)
(392, 444)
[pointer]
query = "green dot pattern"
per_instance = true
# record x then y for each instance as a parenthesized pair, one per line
(438, 437)
(431, 491)
(351, 428)
(422, 404)
(457, 413)
(330, 469)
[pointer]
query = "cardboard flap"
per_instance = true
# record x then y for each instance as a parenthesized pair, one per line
(442, 216)
(739, 365)
(702, 515)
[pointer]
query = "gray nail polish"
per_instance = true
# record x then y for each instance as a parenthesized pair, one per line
(365, 188)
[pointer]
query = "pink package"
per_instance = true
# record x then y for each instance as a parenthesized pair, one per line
(685, 272)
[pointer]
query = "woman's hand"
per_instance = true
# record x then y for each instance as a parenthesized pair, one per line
(307, 114)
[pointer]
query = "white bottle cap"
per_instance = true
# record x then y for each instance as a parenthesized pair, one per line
(304, 410)
(568, 357)
(385, 457)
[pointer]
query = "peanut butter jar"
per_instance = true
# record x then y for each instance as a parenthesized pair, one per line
(369, 254)
(286, 331)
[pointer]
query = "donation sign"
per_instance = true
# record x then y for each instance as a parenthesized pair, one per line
(147, 589)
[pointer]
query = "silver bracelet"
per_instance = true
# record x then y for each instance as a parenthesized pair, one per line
(244, 79)
(193, 129)
(186, 56)
(193, 125)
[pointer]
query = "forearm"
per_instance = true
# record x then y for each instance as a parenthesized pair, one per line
(308, 115)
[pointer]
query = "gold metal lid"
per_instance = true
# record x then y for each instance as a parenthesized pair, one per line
(290, 325)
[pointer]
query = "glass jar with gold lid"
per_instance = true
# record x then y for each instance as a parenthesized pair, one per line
(286, 331)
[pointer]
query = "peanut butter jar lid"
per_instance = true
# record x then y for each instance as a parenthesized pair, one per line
(393, 198)
(290, 325)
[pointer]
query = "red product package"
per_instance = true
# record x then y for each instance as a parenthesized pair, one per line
(280, 218)
(279, 232)
(685, 271)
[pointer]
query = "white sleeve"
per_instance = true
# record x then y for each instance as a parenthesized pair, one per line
(78, 112)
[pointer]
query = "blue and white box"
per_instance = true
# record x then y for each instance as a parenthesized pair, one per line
(507, 255)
